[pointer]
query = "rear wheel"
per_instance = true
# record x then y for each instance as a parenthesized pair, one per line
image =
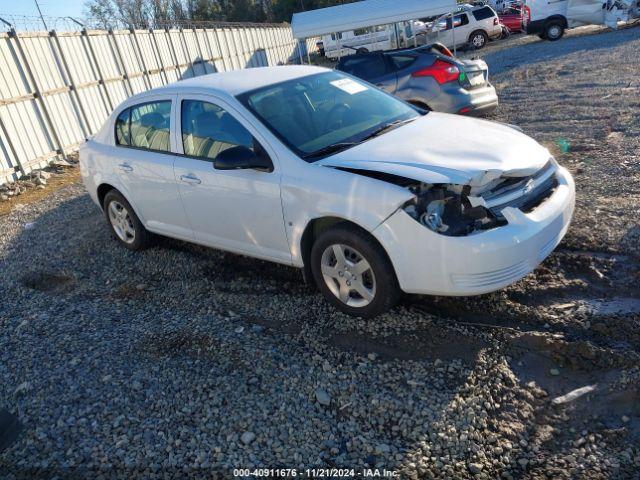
(478, 39)
(353, 272)
(554, 30)
(124, 222)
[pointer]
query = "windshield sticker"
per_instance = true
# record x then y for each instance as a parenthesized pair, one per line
(349, 86)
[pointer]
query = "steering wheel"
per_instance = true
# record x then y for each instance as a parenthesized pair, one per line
(335, 116)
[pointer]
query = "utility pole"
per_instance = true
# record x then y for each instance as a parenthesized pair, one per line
(41, 17)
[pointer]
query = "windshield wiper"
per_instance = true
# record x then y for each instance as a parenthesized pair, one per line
(386, 127)
(338, 147)
(333, 148)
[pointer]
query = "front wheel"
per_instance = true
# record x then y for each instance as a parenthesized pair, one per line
(554, 31)
(353, 272)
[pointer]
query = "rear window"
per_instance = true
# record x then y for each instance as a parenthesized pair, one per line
(483, 13)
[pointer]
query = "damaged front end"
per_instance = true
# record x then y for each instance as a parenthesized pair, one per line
(460, 210)
(446, 209)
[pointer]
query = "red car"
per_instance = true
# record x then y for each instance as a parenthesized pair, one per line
(513, 19)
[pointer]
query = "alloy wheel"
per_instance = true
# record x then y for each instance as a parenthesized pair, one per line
(121, 222)
(348, 275)
(478, 41)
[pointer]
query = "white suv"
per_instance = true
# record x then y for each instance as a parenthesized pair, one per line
(319, 170)
(471, 25)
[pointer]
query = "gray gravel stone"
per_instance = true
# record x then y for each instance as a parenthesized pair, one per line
(323, 397)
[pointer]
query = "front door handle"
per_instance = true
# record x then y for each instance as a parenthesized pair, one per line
(192, 179)
(125, 167)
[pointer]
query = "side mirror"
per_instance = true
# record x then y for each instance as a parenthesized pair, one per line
(242, 158)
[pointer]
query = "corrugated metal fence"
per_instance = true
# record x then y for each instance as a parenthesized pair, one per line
(56, 89)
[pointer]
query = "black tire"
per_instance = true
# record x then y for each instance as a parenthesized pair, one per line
(387, 291)
(141, 236)
(553, 30)
(478, 39)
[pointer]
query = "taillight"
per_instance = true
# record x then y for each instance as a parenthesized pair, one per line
(527, 13)
(441, 71)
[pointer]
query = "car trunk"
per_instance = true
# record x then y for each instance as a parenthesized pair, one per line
(474, 73)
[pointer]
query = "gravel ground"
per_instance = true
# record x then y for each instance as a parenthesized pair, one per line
(183, 362)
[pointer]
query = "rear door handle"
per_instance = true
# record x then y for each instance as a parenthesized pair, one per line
(125, 167)
(192, 179)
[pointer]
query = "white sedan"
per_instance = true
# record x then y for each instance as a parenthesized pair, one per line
(310, 167)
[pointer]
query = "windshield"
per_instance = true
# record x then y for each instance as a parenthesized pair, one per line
(326, 112)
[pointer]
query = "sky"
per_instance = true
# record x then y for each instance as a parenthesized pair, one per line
(54, 8)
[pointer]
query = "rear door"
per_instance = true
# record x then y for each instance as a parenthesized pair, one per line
(404, 65)
(455, 32)
(144, 163)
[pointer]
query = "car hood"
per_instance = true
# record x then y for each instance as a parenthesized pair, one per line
(445, 148)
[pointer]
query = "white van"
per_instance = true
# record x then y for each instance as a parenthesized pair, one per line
(363, 40)
(549, 19)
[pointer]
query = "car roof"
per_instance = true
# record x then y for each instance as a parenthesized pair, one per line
(237, 81)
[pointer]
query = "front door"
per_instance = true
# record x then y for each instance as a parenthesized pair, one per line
(237, 210)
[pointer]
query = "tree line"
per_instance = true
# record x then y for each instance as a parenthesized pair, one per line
(166, 13)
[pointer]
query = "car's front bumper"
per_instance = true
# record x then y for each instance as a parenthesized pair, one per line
(429, 263)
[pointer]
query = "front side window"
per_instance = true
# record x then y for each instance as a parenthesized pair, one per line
(320, 114)
(208, 130)
(145, 126)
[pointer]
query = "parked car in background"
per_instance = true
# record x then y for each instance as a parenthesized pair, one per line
(469, 25)
(549, 20)
(316, 169)
(513, 19)
(429, 77)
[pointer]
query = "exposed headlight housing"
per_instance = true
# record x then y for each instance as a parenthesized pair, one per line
(445, 209)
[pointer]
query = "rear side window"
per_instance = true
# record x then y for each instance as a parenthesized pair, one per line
(122, 128)
(145, 126)
(483, 13)
(366, 67)
(402, 61)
